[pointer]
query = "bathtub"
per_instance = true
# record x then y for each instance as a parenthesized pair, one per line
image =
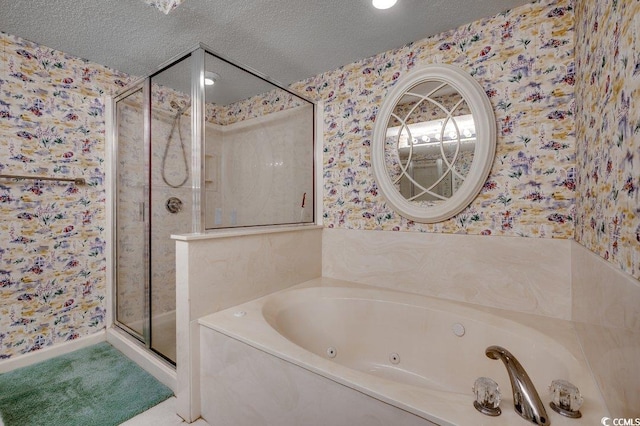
(333, 352)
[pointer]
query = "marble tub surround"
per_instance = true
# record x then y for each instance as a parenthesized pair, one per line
(603, 294)
(234, 351)
(607, 315)
(301, 398)
(555, 278)
(613, 355)
(530, 275)
(225, 268)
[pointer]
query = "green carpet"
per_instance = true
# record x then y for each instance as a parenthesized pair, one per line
(96, 385)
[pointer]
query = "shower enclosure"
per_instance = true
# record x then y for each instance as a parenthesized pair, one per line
(199, 145)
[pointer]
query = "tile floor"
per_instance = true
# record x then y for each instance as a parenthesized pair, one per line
(163, 414)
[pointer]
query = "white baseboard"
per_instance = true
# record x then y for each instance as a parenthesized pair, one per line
(52, 351)
(154, 365)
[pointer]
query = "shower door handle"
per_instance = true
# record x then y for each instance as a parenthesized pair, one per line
(141, 208)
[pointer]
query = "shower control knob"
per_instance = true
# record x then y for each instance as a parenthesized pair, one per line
(174, 205)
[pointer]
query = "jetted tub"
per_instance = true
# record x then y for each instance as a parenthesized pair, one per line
(336, 352)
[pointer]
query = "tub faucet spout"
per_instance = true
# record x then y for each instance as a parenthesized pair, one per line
(525, 397)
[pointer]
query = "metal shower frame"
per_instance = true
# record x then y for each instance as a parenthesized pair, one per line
(197, 180)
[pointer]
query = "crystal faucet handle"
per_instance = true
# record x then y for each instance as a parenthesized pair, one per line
(487, 396)
(566, 398)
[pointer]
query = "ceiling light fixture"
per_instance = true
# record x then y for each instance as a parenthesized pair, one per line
(164, 6)
(383, 4)
(210, 78)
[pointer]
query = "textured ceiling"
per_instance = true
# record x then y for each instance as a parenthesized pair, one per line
(288, 40)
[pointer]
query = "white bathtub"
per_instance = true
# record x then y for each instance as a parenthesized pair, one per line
(335, 352)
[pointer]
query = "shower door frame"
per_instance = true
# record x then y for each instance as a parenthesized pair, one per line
(197, 54)
(145, 211)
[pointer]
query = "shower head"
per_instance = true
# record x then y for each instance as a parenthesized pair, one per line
(177, 107)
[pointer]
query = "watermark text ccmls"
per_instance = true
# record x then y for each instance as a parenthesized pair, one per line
(619, 421)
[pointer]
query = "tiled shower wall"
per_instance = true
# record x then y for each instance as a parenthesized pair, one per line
(273, 114)
(52, 259)
(171, 132)
(608, 131)
(262, 174)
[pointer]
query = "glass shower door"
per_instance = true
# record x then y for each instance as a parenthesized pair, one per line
(132, 306)
(171, 195)
(200, 144)
(153, 201)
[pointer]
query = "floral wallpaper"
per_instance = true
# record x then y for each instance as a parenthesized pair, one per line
(525, 61)
(167, 99)
(52, 249)
(256, 106)
(565, 161)
(260, 105)
(608, 131)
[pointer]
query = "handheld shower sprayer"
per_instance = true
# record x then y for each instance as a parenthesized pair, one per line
(176, 123)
